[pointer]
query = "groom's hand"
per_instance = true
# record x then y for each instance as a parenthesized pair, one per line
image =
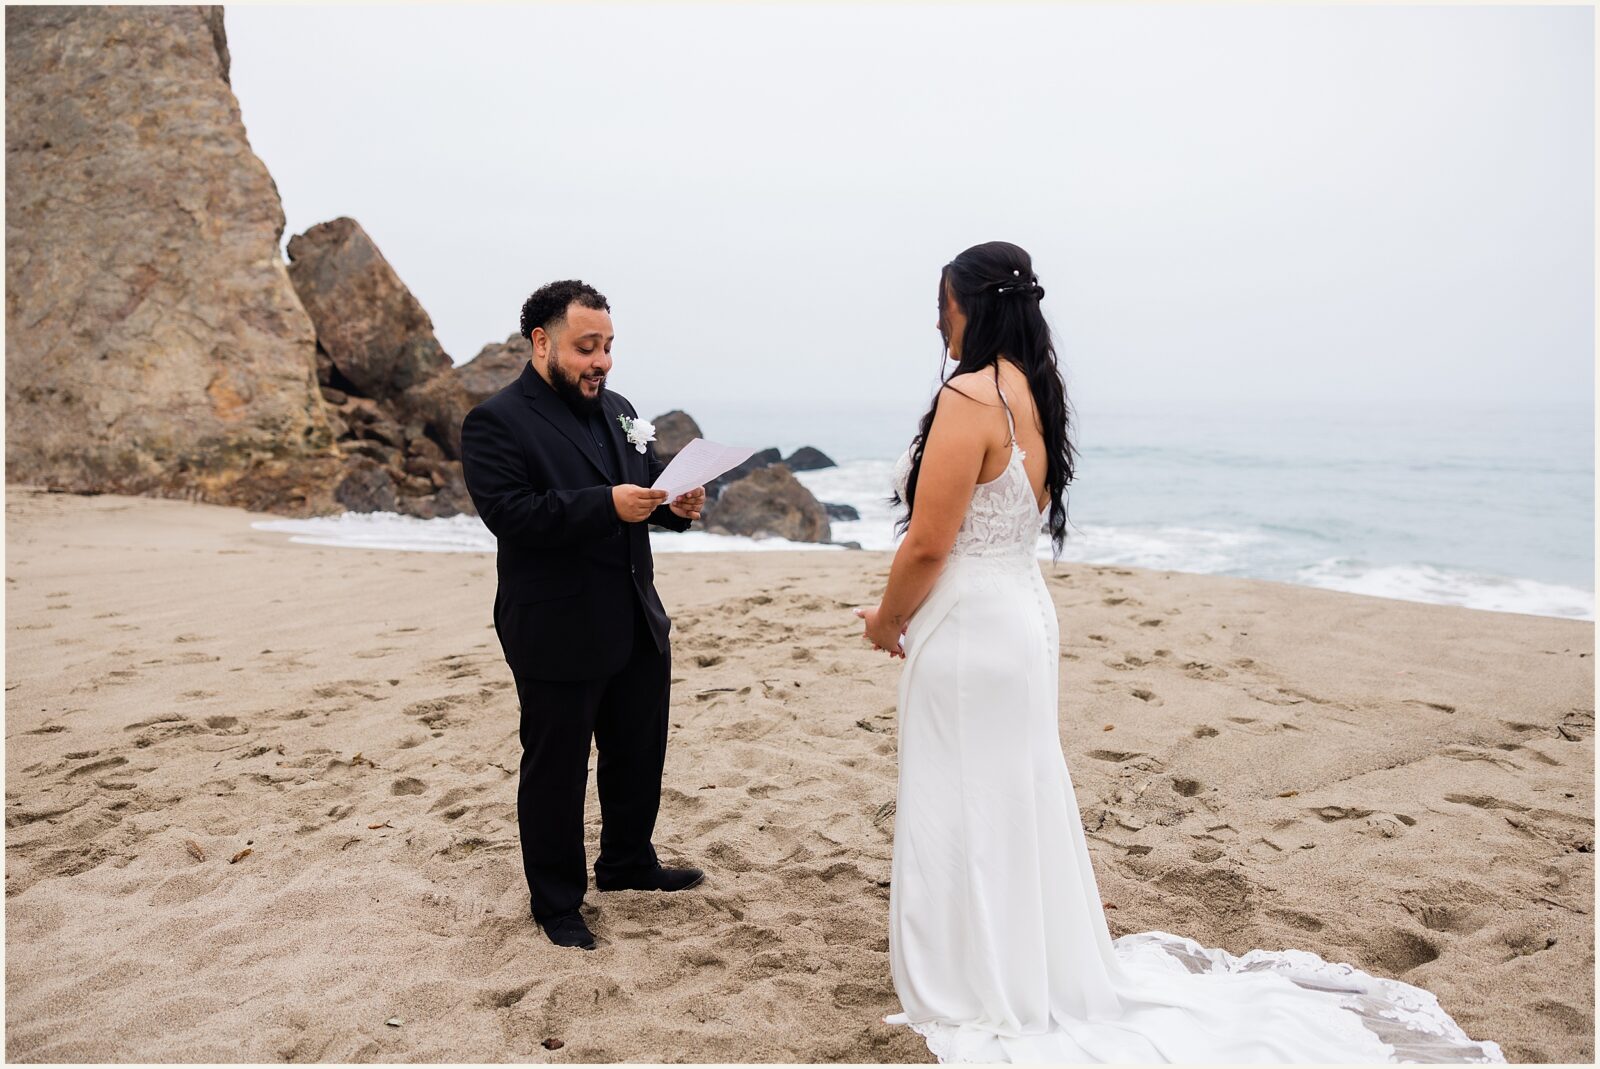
(634, 504)
(688, 505)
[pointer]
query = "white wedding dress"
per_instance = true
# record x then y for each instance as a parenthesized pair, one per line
(998, 943)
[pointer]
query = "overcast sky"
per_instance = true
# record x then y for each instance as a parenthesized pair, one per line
(1280, 203)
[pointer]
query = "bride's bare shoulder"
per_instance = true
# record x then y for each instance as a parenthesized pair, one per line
(975, 386)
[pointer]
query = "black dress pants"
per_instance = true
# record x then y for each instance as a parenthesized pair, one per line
(626, 716)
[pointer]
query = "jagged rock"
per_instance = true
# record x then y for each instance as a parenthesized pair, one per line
(413, 486)
(496, 366)
(760, 460)
(415, 465)
(425, 448)
(674, 430)
(439, 405)
(807, 458)
(449, 499)
(387, 455)
(358, 411)
(301, 486)
(841, 512)
(382, 430)
(769, 502)
(366, 487)
(154, 343)
(376, 333)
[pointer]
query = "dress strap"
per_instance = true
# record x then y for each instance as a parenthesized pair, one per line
(1011, 423)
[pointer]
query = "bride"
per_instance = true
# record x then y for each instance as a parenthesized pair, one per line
(998, 943)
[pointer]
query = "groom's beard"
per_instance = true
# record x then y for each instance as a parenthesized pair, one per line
(570, 390)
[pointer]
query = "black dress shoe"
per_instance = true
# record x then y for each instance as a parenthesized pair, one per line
(658, 879)
(568, 930)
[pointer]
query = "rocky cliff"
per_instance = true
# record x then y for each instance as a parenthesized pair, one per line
(154, 343)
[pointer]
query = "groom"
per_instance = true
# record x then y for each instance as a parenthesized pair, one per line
(564, 486)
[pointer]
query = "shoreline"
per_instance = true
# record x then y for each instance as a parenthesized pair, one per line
(1421, 583)
(1404, 786)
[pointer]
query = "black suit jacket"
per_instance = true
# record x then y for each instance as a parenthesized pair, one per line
(571, 573)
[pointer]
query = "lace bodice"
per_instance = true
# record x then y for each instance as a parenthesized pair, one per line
(1003, 518)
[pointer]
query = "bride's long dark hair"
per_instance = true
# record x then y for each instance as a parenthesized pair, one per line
(996, 288)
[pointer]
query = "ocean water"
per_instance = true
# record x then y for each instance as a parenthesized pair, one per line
(1484, 507)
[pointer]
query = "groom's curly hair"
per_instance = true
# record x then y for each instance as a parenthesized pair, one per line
(549, 303)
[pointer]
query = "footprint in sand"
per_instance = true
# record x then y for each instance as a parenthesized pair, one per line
(226, 725)
(1527, 751)
(1203, 670)
(1441, 917)
(1306, 922)
(465, 848)
(104, 765)
(1395, 951)
(1577, 725)
(1525, 938)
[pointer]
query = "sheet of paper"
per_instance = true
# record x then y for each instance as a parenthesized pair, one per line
(697, 464)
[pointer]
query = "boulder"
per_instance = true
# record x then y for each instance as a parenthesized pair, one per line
(448, 496)
(674, 430)
(425, 448)
(154, 343)
(841, 512)
(438, 406)
(769, 502)
(367, 486)
(387, 455)
(807, 458)
(760, 460)
(374, 331)
(496, 366)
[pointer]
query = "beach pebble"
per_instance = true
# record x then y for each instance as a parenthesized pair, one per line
(395, 1022)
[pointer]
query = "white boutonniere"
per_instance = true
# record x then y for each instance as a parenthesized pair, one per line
(640, 432)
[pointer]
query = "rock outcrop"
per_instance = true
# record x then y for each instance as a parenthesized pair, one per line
(769, 502)
(807, 458)
(396, 401)
(764, 459)
(154, 343)
(377, 339)
(496, 366)
(674, 430)
(157, 343)
(373, 329)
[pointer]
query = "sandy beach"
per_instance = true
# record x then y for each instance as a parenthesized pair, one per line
(260, 801)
